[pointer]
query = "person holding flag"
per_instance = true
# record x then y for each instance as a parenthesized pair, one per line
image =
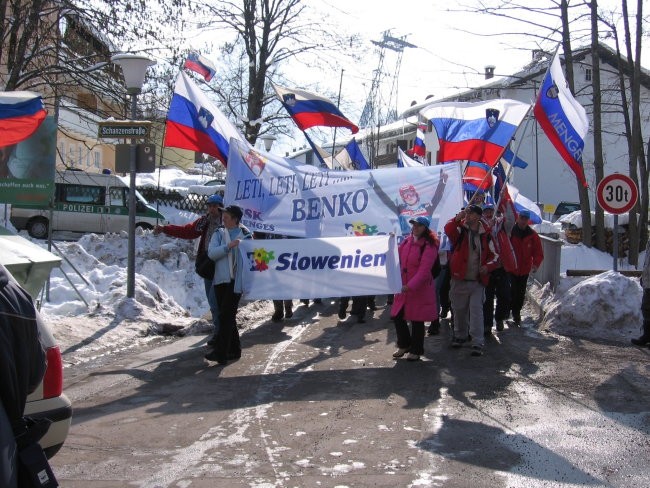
(470, 264)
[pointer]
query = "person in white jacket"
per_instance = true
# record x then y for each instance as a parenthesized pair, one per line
(227, 282)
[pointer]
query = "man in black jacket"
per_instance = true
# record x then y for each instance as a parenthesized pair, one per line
(22, 366)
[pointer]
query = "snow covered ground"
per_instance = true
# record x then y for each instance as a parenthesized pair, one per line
(169, 296)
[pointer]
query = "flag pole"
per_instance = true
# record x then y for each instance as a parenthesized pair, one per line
(338, 103)
(514, 157)
(316, 151)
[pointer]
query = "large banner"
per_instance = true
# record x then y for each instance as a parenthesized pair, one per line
(282, 196)
(27, 168)
(283, 269)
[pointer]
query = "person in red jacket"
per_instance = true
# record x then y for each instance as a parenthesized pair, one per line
(470, 263)
(204, 228)
(417, 300)
(528, 251)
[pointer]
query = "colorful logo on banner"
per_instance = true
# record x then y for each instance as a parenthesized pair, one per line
(361, 229)
(260, 259)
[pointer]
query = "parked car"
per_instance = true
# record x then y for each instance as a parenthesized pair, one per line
(210, 187)
(564, 208)
(48, 400)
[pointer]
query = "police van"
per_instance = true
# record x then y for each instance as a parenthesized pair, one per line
(86, 202)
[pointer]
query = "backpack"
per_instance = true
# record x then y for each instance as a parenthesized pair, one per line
(436, 267)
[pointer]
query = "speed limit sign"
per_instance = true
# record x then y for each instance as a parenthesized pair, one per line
(617, 194)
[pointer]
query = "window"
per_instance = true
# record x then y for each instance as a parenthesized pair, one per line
(98, 159)
(92, 195)
(588, 74)
(117, 196)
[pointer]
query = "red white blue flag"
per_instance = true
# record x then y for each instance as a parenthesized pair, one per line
(200, 65)
(310, 110)
(477, 177)
(562, 118)
(21, 113)
(419, 150)
(194, 122)
(475, 131)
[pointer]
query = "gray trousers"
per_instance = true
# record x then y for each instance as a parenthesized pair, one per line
(467, 302)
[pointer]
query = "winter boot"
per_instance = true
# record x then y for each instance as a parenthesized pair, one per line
(645, 337)
(434, 328)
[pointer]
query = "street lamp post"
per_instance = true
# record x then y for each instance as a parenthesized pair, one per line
(267, 140)
(134, 68)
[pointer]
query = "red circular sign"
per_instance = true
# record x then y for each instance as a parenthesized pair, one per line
(617, 193)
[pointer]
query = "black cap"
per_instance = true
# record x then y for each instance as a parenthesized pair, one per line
(474, 209)
(235, 211)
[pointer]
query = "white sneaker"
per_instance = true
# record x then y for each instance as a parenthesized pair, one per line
(412, 357)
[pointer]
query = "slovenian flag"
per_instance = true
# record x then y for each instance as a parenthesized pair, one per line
(562, 118)
(419, 147)
(21, 113)
(194, 122)
(475, 131)
(311, 110)
(200, 65)
(477, 177)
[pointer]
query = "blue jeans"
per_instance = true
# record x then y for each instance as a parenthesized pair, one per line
(212, 302)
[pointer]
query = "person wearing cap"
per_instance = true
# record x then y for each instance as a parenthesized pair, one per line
(416, 302)
(470, 263)
(228, 278)
(204, 228)
(499, 283)
(528, 251)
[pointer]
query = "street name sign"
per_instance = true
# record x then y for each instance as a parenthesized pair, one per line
(115, 129)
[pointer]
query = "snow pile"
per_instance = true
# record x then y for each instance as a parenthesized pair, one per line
(604, 306)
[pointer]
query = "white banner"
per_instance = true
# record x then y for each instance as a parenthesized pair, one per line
(283, 269)
(282, 196)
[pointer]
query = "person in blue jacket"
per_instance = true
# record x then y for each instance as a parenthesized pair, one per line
(228, 276)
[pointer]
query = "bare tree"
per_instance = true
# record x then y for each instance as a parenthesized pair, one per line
(268, 34)
(597, 120)
(56, 47)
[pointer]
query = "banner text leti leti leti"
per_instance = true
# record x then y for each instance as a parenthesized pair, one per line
(283, 185)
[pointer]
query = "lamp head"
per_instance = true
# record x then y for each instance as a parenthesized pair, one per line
(134, 68)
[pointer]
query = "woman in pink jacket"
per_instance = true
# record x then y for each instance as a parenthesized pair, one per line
(417, 300)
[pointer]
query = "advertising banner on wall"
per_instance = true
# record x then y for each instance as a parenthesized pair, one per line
(28, 168)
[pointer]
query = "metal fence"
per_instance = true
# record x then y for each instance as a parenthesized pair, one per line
(190, 202)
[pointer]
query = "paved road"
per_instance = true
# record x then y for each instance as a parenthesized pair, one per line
(317, 403)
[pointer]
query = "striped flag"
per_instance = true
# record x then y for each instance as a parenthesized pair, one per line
(562, 118)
